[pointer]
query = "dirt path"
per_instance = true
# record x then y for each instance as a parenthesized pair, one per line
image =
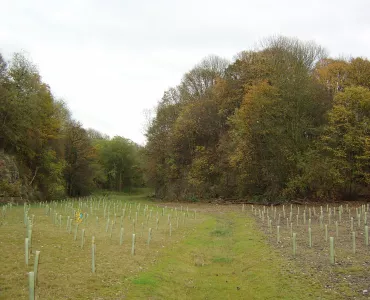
(225, 257)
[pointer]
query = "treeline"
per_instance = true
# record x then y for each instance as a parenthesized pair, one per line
(54, 155)
(282, 122)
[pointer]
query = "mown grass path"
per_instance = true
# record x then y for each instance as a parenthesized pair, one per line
(225, 257)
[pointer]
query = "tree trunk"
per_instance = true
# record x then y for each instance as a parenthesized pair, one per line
(2, 145)
(120, 181)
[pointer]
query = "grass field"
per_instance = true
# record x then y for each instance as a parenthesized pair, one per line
(211, 252)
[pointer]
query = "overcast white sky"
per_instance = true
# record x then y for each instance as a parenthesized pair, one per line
(111, 59)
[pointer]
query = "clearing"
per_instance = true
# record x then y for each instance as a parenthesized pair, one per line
(198, 251)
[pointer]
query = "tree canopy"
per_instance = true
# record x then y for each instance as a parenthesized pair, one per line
(280, 122)
(55, 155)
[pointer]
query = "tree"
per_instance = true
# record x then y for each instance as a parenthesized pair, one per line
(339, 164)
(80, 156)
(359, 72)
(55, 155)
(197, 82)
(347, 138)
(119, 158)
(280, 115)
(96, 135)
(333, 74)
(240, 128)
(3, 101)
(31, 127)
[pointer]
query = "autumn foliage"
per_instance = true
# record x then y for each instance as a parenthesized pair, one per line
(278, 123)
(44, 153)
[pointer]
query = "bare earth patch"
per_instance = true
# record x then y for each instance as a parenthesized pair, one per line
(349, 276)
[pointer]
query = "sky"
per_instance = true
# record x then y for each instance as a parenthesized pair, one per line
(111, 60)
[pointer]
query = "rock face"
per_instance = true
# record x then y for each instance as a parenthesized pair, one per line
(10, 184)
(11, 187)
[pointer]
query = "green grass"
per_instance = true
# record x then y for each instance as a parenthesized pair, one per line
(236, 263)
(222, 260)
(221, 255)
(221, 232)
(65, 268)
(145, 279)
(349, 270)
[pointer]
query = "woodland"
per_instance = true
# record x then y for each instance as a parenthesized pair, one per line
(284, 121)
(45, 154)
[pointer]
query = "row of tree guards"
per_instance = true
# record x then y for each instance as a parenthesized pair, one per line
(269, 214)
(306, 216)
(32, 276)
(131, 211)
